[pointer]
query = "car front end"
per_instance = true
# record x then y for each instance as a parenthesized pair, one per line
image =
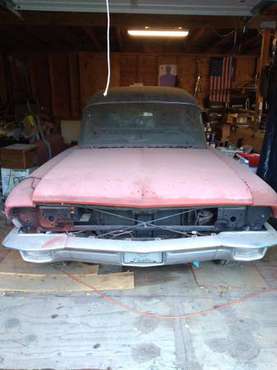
(141, 237)
(141, 189)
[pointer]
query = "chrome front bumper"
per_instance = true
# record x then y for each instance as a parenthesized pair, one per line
(235, 245)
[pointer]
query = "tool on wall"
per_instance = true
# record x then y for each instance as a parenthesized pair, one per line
(197, 86)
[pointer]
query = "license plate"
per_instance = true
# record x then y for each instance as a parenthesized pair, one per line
(143, 258)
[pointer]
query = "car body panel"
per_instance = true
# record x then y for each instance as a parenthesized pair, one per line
(262, 193)
(142, 177)
(160, 177)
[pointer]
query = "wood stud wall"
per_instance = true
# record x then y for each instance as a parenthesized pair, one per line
(63, 83)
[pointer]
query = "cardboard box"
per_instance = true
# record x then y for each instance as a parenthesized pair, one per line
(19, 156)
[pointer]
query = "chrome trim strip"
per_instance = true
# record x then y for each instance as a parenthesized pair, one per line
(240, 245)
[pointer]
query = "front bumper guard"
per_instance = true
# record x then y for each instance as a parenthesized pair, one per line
(235, 245)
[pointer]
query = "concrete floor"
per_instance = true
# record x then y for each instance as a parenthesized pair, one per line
(216, 317)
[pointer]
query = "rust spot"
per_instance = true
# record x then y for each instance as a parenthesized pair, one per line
(57, 241)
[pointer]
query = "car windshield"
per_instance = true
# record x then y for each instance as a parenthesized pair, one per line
(142, 124)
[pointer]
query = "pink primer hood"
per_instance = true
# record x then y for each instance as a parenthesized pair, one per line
(158, 177)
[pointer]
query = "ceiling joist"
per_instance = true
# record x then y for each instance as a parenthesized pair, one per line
(91, 35)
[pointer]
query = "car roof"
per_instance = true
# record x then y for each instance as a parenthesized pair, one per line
(144, 94)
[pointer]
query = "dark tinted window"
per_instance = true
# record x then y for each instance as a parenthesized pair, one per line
(142, 124)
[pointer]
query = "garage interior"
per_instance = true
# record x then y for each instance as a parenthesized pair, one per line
(53, 58)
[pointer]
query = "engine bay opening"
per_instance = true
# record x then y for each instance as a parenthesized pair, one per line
(143, 224)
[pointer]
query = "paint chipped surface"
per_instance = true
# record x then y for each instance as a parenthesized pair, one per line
(146, 177)
(142, 177)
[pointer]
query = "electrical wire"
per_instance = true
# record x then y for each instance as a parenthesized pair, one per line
(186, 316)
(108, 49)
(129, 229)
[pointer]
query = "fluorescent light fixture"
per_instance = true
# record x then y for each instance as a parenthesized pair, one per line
(159, 33)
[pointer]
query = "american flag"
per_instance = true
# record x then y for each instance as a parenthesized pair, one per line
(221, 74)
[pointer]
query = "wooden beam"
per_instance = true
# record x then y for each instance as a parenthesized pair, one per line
(124, 20)
(250, 43)
(91, 34)
(71, 37)
(30, 33)
(265, 50)
(272, 10)
(257, 21)
(194, 38)
(222, 41)
(119, 38)
(265, 7)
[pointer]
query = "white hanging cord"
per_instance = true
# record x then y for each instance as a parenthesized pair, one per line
(108, 49)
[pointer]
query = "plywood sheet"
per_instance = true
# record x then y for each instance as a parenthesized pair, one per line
(17, 275)
(14, 264)
(63, 283)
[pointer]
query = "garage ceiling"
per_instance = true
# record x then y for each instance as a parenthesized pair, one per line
(80, 25)
(185, 7)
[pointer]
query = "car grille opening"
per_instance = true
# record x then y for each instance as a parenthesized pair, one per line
(149, 223)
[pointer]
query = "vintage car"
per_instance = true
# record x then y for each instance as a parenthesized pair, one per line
(141, 189)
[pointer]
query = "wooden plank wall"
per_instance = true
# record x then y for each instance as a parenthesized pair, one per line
(3, 83)
(62, 83)
(40, 81)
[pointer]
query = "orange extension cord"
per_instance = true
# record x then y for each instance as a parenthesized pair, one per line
(187, 316)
